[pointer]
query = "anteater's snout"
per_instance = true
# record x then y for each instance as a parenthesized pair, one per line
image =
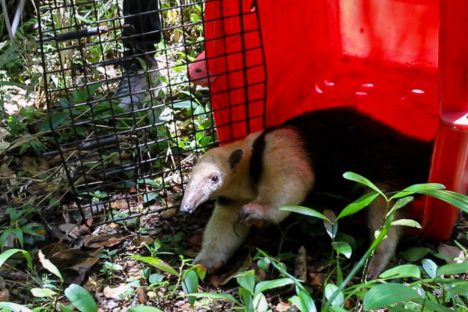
(186, 208)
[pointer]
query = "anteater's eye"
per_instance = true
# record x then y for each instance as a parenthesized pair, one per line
(214, 178)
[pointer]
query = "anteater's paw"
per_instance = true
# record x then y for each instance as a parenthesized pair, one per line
(252, 214)
(376, 266)
(210, 262)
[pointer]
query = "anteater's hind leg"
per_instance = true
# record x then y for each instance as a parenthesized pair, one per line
(222, 237)
(384, 252)
(287, 178)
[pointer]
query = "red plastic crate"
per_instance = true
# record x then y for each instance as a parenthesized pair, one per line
(405, 62)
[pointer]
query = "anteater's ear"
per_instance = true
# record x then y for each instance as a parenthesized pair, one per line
(235, 157)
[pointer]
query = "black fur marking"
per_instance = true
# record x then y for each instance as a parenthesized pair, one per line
(235, 157)
(343, 139)
(224, 201)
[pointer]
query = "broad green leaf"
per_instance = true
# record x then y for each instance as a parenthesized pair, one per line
(342, 248)
(49, 266)
(417, 188)
(430, 267)
(455, 199)
(407, 222)
(267, 285)
(215, 296)
(303, 300)
(260, 303)
(157, 263)
(359, 204)
(80, 298)
(247, 280)
(453, 268)
(330, 289)
(155, 278)
(458, 288)
(143, 308)
(415, 254)
(402, 271)
(13, 307)
(43, 292)
(360, 179)
(305, 211)
(190, 284)
(384, 295)
(246, 299)
(10, 252)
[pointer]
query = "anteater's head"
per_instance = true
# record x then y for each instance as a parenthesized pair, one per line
(211, 176)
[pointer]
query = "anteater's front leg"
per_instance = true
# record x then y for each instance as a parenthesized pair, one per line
(287, 178)
(222, 237)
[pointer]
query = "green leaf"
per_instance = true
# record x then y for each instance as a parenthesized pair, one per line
(143, 308)
(458, 288)
(190, 284)
(384, 295)
(402, 271)
(453, 268)
(430, 267)
(357, 205)
(157, 263)
(247, 280)
(407, 222)
(10, 252)
(432, 305)
(455, 199)
(267, 285)
(418, 188)
(43, 292)
(246, 299)
(13, 307)
(343, 248)
(185, 104)
(305, 211)
(329, 291)
(303, 301)
(415, 254)
(260, 303)
(49, 266)
(80, 298)
(149, 197)
(215, 296)
(360, 179)
(402, 202)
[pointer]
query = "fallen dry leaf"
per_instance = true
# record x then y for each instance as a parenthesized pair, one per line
(103, 240)
(316, 279)
(141, 295)
(300, 264)
(34, 166)
(117, 293)
(283, 307)
(452, 253)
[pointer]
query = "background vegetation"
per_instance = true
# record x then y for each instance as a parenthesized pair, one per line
(51, 262)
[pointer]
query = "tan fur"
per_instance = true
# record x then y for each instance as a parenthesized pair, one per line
(384, 252)
(286, 179)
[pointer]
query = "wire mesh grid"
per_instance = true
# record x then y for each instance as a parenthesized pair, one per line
(127, 110)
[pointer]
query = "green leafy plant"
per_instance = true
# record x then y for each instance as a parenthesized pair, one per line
(382, 294)
(20, 229)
